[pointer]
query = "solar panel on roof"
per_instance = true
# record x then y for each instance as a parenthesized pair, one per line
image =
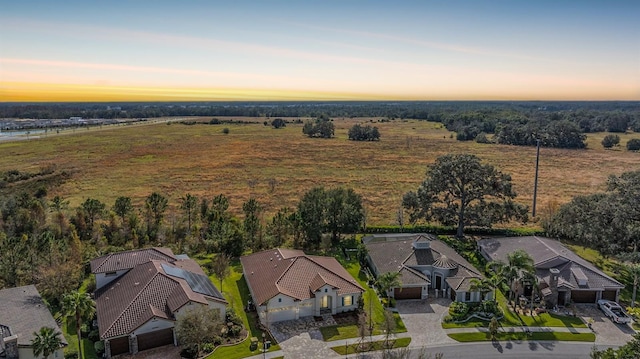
(197, 282)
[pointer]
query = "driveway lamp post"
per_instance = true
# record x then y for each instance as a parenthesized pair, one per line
(264, 346)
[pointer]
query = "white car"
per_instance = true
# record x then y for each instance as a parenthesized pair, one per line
(614, 311)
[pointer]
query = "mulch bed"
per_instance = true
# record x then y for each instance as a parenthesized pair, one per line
(346, 318)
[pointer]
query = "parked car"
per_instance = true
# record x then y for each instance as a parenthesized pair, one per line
(614, 311)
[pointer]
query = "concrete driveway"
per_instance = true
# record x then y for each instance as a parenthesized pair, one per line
(607, 332)
(423, 321)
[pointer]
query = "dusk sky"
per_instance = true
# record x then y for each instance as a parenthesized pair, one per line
(319, 50)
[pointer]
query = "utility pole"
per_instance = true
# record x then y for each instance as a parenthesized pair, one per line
(535, 183)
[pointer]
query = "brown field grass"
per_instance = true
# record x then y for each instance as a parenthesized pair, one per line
(176, 159)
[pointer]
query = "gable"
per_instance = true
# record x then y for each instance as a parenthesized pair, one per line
(293, 273)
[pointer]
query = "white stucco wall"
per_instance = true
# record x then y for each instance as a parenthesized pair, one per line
(27, 353)
(153, 325)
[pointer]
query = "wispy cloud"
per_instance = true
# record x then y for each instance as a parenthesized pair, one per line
(425, 43)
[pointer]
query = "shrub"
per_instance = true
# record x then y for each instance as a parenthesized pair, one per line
(232, 317)
(99, 347)
(208, 347)
(458, 310)
(94, 335)
(278, 123)
(214, 121)
(225, 131)
(71, 355)
(190, 352)
(610, 141)
(482, 138)
(633, 145)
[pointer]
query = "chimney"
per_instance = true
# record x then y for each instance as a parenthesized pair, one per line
(11, 347)
(554, 273)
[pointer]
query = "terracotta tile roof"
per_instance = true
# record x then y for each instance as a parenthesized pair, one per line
(129, 259)
(145, 292)
(22, 312)
(295, 274)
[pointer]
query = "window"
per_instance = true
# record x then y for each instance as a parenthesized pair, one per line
(325, 290)
(110, 274)
(279, 300)
(347, 301)
(325, 302)
(467, 296)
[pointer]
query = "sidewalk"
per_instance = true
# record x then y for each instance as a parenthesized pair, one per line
(520, 329)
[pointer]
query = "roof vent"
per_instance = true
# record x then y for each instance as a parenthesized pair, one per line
(252, 273)
(136, 283)
(270, 259)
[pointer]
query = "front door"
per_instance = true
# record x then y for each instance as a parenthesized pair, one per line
(438, 282)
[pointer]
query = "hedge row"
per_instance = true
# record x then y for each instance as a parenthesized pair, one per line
(508, 232)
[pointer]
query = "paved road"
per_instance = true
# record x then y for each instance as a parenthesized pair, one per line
(515, 350)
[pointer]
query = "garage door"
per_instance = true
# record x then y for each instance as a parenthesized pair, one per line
(583, 296)
(119, 345)
(155, 339)
(609, 295)
(306, 311)
(280, 314)
(408, 293)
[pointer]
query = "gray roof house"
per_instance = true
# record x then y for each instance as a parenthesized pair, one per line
(22, 312)
(425, 264)
(563, 276)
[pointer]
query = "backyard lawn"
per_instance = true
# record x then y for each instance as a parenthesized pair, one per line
(371, 303)
(235, 290)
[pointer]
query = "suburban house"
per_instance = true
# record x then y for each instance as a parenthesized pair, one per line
(562, 275)
(141, 293)
(22, 313)
(287, 284)
(426, 265)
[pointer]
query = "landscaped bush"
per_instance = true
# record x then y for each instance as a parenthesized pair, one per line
(99, 347)
(190, 352)
(208, 347)
(458, 310)
(487, 307)
(71, 355)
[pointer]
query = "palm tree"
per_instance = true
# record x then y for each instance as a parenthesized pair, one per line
(46, 342)
(82, 307)
(496, 276)
(518, 264)
(480, 285)
(388, 281)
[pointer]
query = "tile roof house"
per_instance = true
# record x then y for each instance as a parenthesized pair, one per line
(425, 264)
(287, 284)
(22, 312)
(141, 293)
(563, 276)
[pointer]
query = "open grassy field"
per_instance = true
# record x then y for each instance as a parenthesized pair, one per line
(277, 166)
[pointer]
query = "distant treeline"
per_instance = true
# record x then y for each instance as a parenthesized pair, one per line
(555, 124)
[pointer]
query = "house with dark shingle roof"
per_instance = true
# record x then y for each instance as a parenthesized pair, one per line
(145, 292)
(425, 264)
(287, 284)
(22, 312)
(562, 275)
